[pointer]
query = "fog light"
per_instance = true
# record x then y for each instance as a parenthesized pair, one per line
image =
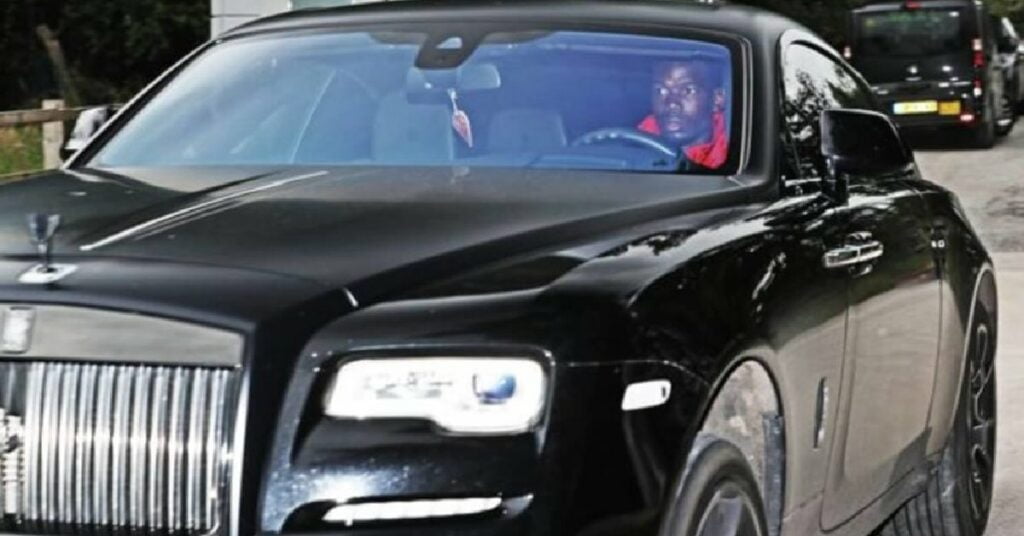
(17, 329)
(966, 118)
(404, 510)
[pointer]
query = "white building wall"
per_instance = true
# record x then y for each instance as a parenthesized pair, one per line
(226, 14)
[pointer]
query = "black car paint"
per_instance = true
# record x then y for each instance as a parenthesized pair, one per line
(604, 288)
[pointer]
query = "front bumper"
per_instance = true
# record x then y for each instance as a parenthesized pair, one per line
(589, 464)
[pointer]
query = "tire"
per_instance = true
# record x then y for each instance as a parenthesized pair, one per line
(958, 498)
(984, 135)
(1018, 97)
(717, 496)
(1008, 114)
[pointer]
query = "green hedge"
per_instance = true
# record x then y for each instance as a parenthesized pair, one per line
(21, 149)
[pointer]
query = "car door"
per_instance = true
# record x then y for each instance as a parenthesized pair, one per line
(892, 328)
(891, 348)
(811, 328)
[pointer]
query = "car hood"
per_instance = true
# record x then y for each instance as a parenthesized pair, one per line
(362, 228)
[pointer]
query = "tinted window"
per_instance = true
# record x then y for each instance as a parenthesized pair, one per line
(916, 32)
(522, 99)
(814, 82)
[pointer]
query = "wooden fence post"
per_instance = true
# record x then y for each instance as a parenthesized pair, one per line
(53, 136)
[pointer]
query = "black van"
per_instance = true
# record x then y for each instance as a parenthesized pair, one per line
(934, 63)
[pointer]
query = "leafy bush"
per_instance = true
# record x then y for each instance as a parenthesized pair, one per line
(135, 42)
(113, 47)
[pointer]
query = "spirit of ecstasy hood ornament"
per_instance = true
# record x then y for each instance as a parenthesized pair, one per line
(42, 228)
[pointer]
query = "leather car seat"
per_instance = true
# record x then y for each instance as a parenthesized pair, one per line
(412, 133)
(526, 130)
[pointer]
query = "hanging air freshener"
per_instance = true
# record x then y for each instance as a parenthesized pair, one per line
(460, 120)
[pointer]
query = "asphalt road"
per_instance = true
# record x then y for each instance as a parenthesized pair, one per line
(990, 185)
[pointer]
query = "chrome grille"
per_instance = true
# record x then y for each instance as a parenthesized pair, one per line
(96, 448)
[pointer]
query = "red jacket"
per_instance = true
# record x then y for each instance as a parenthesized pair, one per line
(711, 155)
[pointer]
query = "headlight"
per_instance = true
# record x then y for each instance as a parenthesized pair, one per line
(462, 395)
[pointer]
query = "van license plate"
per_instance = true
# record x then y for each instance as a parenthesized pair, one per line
(949, 108)
(916, 107)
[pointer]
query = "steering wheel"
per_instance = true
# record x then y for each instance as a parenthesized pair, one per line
(617, 134)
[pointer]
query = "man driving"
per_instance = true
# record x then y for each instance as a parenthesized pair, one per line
(688, 105)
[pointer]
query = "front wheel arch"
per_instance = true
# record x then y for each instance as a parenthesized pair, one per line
(746, 412)
(714, 467)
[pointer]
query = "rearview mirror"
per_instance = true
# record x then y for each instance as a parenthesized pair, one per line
(87, 124)
(428, 84)
(861, 142)
(478, 77)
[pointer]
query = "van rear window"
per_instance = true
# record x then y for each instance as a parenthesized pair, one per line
(918, 32)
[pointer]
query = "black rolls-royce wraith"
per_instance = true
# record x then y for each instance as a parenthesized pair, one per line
(582, 268)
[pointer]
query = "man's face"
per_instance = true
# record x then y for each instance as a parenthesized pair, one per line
(682, 100)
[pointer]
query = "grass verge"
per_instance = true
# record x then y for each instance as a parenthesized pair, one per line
(21, 149)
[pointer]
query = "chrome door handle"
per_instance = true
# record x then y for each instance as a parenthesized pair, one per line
(852, 254)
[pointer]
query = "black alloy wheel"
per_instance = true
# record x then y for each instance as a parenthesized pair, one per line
(981, 422)
(729, 513)
(717, 495)
(957, 500)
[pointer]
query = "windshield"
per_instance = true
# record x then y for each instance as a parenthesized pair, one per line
(522, 99)
(917, 32)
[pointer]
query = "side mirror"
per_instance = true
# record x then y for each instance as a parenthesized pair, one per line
(861, 143)
(87, 125)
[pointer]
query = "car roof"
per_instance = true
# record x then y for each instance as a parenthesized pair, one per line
(751, 23)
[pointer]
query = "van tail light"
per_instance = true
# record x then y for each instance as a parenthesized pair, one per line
(979, 53)
(978, 90)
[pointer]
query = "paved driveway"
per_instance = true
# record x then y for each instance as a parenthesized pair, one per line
(991, 187)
